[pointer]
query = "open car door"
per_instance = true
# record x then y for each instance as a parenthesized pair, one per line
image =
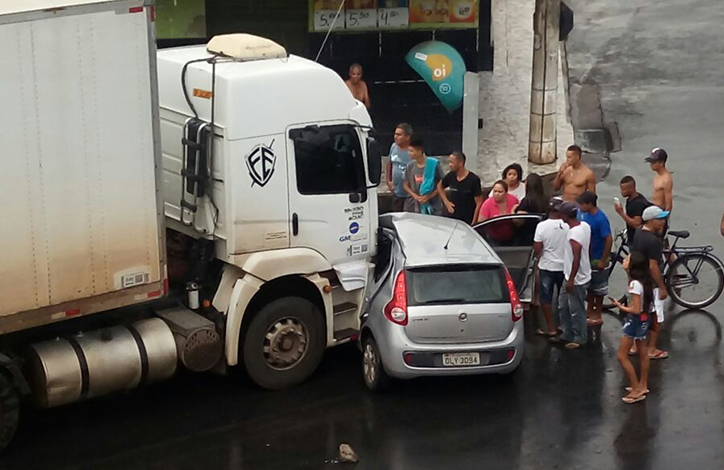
(511, 236)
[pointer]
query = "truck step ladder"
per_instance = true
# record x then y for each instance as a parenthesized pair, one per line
(195, 170)
(343, 308)
(346, 334)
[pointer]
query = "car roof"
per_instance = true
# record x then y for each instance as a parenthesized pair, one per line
(423, 239)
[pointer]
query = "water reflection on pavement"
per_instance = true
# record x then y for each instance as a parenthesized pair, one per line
(562, 409)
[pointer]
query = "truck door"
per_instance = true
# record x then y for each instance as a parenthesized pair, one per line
(328, 199)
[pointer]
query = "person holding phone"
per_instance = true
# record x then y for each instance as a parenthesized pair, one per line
(636, 204)
(639, 313)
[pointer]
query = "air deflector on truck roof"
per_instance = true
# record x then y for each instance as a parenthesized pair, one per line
(245, 47)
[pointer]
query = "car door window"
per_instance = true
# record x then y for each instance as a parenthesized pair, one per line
(328, 160)
(511, 237)
(383, 258)
(511, 230)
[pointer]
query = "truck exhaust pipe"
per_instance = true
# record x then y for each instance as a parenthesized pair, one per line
(87, 365)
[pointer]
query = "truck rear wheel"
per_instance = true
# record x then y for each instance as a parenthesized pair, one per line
(284, 343)
(9, 411)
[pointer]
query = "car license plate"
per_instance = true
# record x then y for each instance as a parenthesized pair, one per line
(460, 359)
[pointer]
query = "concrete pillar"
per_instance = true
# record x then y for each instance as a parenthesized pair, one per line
(471, 103)
(544, 82)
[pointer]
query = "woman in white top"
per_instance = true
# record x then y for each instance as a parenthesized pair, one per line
(513, 175)
(637, 324)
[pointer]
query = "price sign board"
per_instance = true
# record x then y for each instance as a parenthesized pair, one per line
(393, 18)
(361, 19)
(323, 20)
(387, 15)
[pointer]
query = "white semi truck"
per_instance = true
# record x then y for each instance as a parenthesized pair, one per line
(239, 175)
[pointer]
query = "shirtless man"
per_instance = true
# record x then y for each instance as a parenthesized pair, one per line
(663, 182)
(573, 176)
(663, 195)
(357, 86)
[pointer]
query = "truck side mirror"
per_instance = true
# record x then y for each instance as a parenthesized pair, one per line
(374, 161)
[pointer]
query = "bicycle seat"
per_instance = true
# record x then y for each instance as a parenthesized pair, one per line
(679, 234)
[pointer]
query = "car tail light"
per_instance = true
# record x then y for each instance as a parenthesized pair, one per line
(396, 309)
(515, 306)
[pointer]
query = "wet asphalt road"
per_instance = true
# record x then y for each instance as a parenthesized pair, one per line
(562, 409)
(660, 69)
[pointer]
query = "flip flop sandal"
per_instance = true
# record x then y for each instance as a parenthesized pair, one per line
(594, 322)
(660, 355)
(540, 332)
(630, 400)
(554, 339)
(629, 389)
(573, 346)
(633, 353)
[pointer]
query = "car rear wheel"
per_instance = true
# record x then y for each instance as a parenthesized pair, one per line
(374, 373)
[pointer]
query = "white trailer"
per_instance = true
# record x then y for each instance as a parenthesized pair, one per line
(83, 224)
(246, 174)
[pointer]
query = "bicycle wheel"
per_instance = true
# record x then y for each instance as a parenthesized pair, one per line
(695, 280)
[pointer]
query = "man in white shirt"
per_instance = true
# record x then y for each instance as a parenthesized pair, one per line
(577, 272)
(549, 243)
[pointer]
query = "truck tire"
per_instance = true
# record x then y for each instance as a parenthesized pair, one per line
(9, 411)
(284, 343)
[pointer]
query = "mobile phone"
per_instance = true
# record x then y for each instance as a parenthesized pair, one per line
(617, 201)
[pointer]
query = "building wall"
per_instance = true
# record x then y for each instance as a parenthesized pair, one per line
(505, 94)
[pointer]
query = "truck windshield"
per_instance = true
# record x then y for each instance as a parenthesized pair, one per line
(328, 160)
(464, 284)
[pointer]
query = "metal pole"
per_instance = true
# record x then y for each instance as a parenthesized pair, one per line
(471, 102)
(544, 82)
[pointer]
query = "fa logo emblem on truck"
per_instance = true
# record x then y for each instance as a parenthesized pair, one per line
(260, 162)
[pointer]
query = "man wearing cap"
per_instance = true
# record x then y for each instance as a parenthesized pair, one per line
(577, 273)
(601, 243)
(663, 186)
(648, 242)
(549, 243)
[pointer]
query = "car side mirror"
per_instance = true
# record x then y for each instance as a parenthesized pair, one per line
(374, 161)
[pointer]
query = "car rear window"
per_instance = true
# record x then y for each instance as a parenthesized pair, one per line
(441, 285)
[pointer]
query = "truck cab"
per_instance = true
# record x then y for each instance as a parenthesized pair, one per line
(267, 159)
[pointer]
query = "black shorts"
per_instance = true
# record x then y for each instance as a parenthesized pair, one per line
(664, 232)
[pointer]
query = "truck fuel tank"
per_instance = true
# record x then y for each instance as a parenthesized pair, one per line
(96, 363)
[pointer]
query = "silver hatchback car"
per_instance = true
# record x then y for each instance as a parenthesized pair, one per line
(441, 300)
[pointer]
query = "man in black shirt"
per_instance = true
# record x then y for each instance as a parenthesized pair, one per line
(648, 242)
(465, 197)
(635, 206)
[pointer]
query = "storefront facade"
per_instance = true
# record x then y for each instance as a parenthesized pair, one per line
(376, 34)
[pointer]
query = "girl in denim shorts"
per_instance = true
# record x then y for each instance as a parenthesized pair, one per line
(637, 324)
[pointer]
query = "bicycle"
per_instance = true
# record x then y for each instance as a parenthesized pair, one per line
(693, 275)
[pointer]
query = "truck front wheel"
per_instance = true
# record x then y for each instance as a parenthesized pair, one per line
(9, 411)
(284, 343)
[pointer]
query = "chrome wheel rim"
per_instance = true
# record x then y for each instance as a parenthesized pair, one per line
(285, 343)
(369, 363)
